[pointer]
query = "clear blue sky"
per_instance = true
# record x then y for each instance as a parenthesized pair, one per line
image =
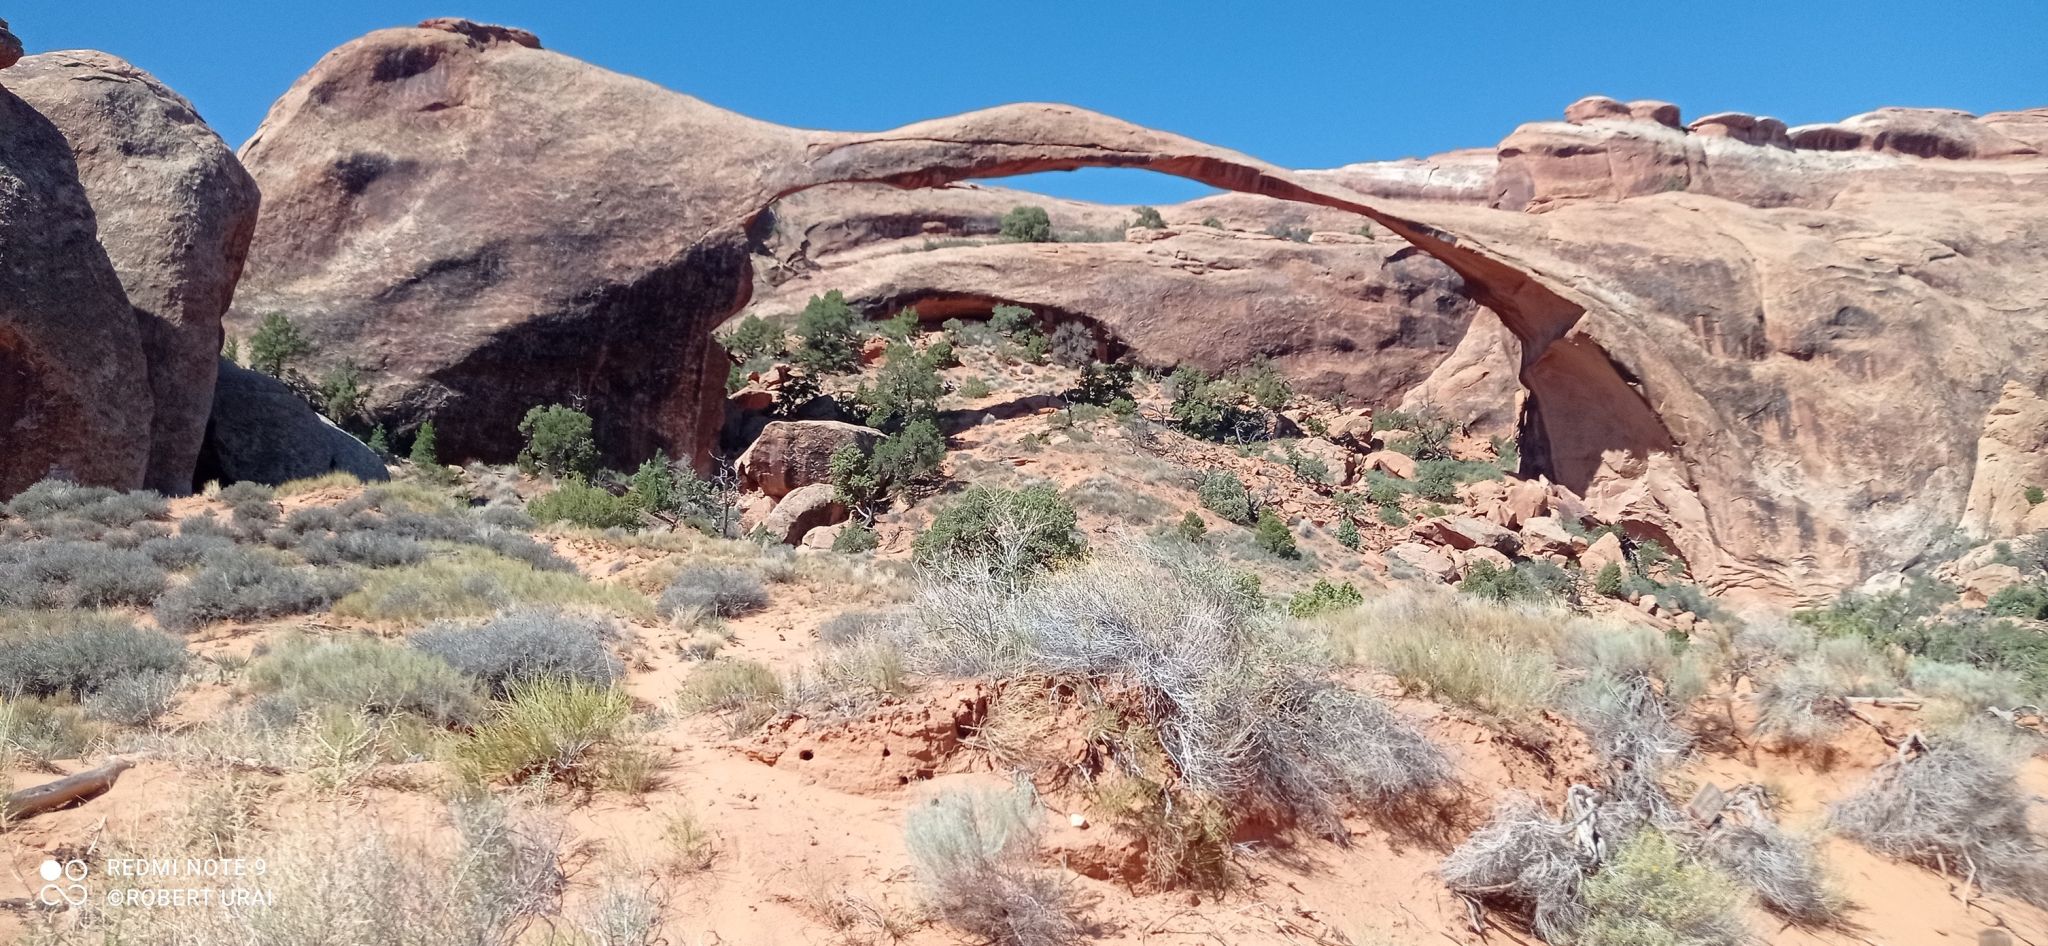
(1305, 84)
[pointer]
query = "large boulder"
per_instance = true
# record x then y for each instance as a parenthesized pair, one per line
(175, 212)
(263, 432)
(792, 454)
(10, 47)
(73, 398)
(804, 509)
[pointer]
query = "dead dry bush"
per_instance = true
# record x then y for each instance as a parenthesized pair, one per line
(975, 852)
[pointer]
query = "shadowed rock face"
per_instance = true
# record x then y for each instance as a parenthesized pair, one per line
(486, 226)
(73, 381)
(175, 212)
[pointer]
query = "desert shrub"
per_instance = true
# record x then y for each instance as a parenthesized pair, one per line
(910, 456)
(1975, 688)
(1489, 581)
(1527, 863)
(79, 655)
(136, 699)
(1650, 893)
(1496, 660)
(60, 573)
(1033, 528)
(857, 625)
(907, 388)
(277, 343)
(1324, 596)
(1306, 467)
(743, 692)
(1801, 701)
(1227, 496)
(475, 583)
(1607, 581)
(974, 854)
(755, 339)
(1954, 805)
(342, 393)
(1245, 711)
(1265, 385)
(712, 591)
(525, 645)
(579, 503)
(1192, 528)
(1104, 385)
(1293, 234)
(43, 731)
(48, 501)
(2029, 601)
(299, 675)
(855, 539)
(1207, 408)
(363, 547)
(247, 586)
(1782, 869)
(1274, 537)
(549, 730)
(558, 442)
(1149, 219)
(339, 877)
(1026, 225)
(1347, 534)
(1073, 345)
(827, 341)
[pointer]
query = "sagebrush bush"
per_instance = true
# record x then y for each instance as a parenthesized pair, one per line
(184, 551)
(1245, 710)
(550, 730)
(525, 645)
(136, 699)
(476, 583)
(48, 501)
(247, 586)
(1022, 531)
(1954, 805)
(1526, 863)
(1649, 892)
(712, 591)
(1781, 868)
(856, 625)
(974, 851)
(298, 675)
(77, 655)
(57, 573)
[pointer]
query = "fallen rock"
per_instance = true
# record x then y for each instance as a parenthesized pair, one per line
(792, 454)
(175, 212)
(1423, 558)
(1545, 535)
(1465, 532)
(822, 537)
(1474, 556)
(1398, 465)
(1606, 550)
(261, 432)
(804, 509)
(1525, 500)
(1980, 583)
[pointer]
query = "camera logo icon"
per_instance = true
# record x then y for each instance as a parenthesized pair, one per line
(63, 883)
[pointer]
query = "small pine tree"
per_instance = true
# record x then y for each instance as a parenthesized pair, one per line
(426, 454)
(380, 442)
(1192, 527)
(1347, 534)
(342, 392)
(899, 327)
(755, 337)
(1274, 536)
(276, 344)
(558, 442)
(826, 340)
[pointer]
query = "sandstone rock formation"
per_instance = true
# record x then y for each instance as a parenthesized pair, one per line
(2012, 460)
(175, 212)
(1701, 318)
(72, 371)
(1368, 320)
(790, 455)
(10, 47)
(263, 432)
(804, 509)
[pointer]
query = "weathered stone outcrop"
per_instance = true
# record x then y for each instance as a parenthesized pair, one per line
(74, 401)
(2012, 467)
(263, 432)
(792, 454)
(1369, 320)
(175, 212)
(1702, 335)
(10, 47)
